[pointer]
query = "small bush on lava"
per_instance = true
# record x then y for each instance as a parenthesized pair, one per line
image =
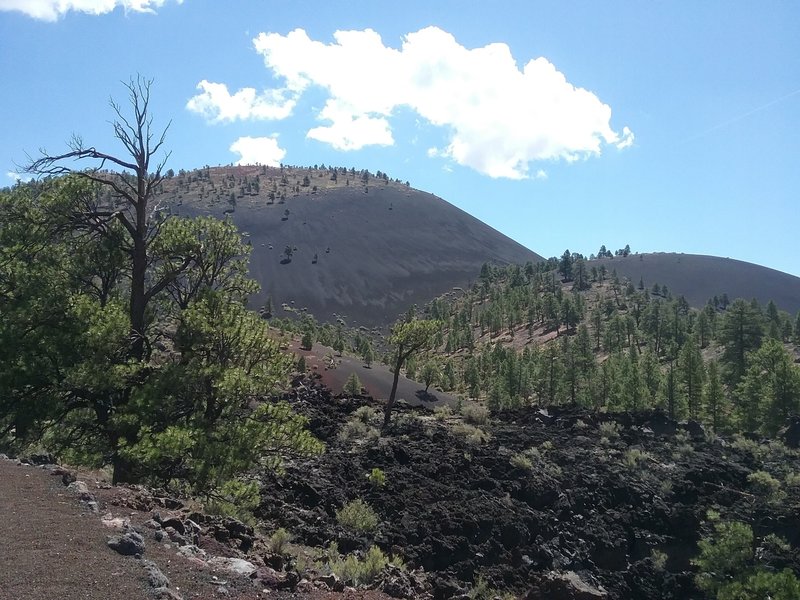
(377, 477)
(279, 541)
(357, 572)
(766, 486)
(635, 458)
(357, 515)
(471, 434)
(475, 414)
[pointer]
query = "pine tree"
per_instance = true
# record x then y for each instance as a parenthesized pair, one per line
(352, 387)
(368, 354)
(715, 400)
(565, 265)
(770, 390)
(307, 341)
(692, 375)
(739, 333)
(430, 374)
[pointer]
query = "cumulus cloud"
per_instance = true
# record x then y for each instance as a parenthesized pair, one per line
(498, 117)
(627, 139)
(52, 10)
(351, 130)
(216, 104)
(258, 151)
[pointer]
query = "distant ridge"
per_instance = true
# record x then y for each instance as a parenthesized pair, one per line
(380, 246)
(700, 277)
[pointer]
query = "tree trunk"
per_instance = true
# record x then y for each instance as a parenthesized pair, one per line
(138, 299)
(387, 412)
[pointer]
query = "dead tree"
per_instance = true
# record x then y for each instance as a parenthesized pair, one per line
(131, 195)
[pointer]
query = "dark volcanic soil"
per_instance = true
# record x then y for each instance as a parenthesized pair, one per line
(460, 510)
(699, 278)
(377, 253)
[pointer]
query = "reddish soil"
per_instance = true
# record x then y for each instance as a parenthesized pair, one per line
(49, 548)
(53, 547)
(375, 379)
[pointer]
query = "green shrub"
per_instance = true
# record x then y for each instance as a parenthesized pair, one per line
(279, 541)
(352, 387)
(766, 486)
(723, 555)
(775, 543)
(481, 590)
(474, 414)
(470, 434)
(534, 460)
(235, 498)
(357, 572)
(792, 481)
(307, 342)
(377, 477)
(659, 559)
(683, 451)
(358, 431)
(763, 584)
(609, 430)
(746, 445)
(442, 412)
(522, 461)
(365, 414)
(357, 515)
(635, 458)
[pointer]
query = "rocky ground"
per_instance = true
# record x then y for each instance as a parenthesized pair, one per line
(69, 535)
(587, 515)
(543, 504)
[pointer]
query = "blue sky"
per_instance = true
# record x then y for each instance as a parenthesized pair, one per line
(669, 126)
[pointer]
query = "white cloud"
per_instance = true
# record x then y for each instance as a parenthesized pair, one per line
(499, 118)
(15, 176)
(627, 139)
(216, 103)
(349, 129)
(541, 174)
(258, 151)
(52, 10)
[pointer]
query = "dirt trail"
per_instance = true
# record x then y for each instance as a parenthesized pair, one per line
(50, 548)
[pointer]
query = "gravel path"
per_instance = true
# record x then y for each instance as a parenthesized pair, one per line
(50, 548)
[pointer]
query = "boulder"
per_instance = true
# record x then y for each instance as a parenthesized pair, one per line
(234, 565)
(129, 543)
(332, 582)
(565, 586)
(155, 578)
(191, 551)
(269, 578)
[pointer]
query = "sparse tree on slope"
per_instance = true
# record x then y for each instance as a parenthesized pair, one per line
(430, 374)
(740, 332)
(565, 265)
(692, 375)
(407, 338)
